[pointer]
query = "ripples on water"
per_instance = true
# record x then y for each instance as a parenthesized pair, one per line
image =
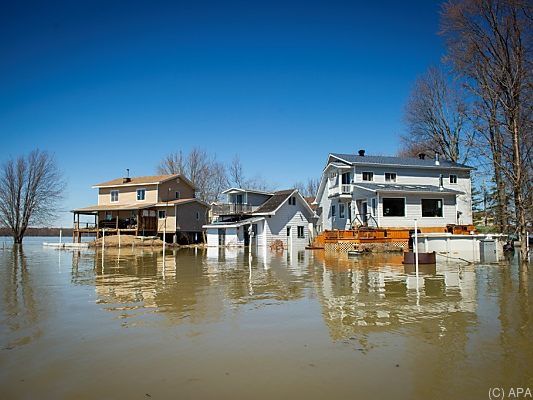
(224, 323)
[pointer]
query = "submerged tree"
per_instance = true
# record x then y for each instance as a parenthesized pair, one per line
(489, 43)
(30, 188)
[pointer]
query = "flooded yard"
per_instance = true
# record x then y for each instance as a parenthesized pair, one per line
(226, 324)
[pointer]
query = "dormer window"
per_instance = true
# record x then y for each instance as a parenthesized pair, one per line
(390, 176)
(453, 179)
(141, 194)
(368, 176)
(114, 196)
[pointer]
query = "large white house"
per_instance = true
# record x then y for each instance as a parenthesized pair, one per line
(382, 191)
(257, 218)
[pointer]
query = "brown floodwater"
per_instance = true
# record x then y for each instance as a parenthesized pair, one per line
(219, 324)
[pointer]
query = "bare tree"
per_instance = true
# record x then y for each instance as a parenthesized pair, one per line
(237, 177)
(30, 188)
(236, 173)
(309, 188)
(173, 163)
(202, 169)
(436, 118)
(489, 43)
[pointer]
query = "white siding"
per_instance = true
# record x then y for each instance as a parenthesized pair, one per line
(288, 215)
(413, 209)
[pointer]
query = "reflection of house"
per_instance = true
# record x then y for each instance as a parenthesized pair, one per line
(389, 192)
(260, 218)
(146, 205)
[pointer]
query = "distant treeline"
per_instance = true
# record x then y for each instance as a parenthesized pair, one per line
(40, 232)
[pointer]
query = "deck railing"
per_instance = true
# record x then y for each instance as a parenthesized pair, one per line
(232, 208)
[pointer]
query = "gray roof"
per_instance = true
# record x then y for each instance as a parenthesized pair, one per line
(392, 187)
(274, 202)
(400, 161)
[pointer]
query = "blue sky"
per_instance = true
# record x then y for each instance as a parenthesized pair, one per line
(108, 85)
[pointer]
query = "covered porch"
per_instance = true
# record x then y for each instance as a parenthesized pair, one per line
(113, 220)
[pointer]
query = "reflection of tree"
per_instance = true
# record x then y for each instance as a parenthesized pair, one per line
(21, 309)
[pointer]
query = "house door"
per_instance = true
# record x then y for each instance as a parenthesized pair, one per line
(364, 212)
(222, 237)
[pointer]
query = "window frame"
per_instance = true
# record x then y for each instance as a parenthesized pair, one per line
(450, 179)
(371, 173)
(137, 194)
(432, 199)
(394, 216)
(111, 195)
(390, 180)
(300, 232)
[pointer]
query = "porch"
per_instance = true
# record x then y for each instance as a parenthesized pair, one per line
(114, 220)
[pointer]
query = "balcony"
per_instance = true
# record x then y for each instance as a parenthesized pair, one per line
(344, 191)
(232, 208)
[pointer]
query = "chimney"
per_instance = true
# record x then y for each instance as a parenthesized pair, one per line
(437, 162)
(127, 178)
(422, 156)
(362, 153)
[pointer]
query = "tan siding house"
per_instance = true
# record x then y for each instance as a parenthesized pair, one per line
(162, 205)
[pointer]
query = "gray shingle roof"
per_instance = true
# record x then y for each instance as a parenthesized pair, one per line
(400, 161)
(274, 202)
(389, 187)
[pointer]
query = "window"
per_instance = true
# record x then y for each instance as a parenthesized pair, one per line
(453, 179)
(431, 207)
(177, 195)
(368, 176)
(292, 201)
(108, 215)
(288, 231)
(341, 210)
(390, 176)
(197, 215)
(301, 232)
(393, 207)
(161, 214)
(114, 196)
(141, 194)
(333, 210)
(345, 178)
(374, 206)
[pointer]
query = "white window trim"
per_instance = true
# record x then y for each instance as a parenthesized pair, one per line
(433, 198)
(395, 176)
(404, 207)
(367, 172)
(111, 195)
(137, 194)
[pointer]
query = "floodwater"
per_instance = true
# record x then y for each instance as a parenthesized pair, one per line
(217, 324)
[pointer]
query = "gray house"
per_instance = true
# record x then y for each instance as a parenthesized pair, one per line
(257, 218)
(391, 192)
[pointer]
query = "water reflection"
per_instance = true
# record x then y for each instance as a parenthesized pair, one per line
(20, 312)
(221, 317)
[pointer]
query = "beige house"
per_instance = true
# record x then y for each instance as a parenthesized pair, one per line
(147, 206)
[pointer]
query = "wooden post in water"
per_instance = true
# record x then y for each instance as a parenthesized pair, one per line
(415, 248)
(60, 235)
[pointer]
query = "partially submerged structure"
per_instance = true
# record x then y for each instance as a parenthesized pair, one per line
(357, 190)
(146, 206)
(257, 218)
